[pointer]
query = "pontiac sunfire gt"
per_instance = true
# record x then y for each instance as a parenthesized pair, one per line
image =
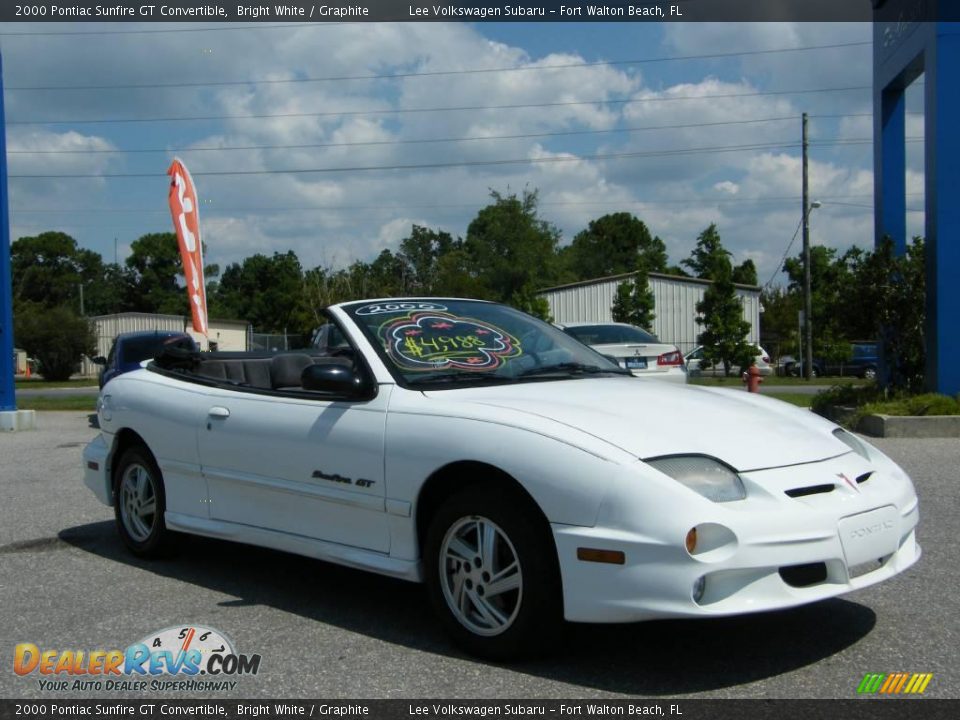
(521, 475)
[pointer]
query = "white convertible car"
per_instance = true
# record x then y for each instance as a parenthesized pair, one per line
(521, 475)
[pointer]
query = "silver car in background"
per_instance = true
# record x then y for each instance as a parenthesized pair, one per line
(696, 365)
(633, 348)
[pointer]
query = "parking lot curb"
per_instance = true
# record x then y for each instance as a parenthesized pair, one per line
(934, 426)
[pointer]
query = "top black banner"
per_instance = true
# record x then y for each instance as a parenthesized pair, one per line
(887, 11)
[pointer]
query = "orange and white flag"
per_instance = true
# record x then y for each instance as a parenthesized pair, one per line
(186, 219)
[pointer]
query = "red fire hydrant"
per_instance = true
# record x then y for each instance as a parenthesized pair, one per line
(751, 376)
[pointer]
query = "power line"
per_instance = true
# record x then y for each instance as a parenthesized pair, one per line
(212, 208)
(40, 224)
(402, 142)
(785, 253)
(439, 73)
(464, 163)
(426, 166)
(400, 111)
(423, 141)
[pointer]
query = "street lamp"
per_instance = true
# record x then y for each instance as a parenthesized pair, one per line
(807, 299)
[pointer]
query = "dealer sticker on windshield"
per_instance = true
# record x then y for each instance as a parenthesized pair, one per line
(436, 340)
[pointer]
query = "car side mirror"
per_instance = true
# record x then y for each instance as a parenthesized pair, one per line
(99, 360)
(335, 378)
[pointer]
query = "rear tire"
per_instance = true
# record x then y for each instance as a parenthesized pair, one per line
(492, 574)
(139, 503)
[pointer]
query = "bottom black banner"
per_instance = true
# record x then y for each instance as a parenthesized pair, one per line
(865, 709)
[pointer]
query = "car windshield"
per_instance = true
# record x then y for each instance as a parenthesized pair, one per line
(610, 334)
(446, 343)
(138, 349)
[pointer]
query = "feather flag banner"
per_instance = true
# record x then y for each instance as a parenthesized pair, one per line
(186, 219)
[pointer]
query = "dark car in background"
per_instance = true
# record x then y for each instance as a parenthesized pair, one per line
(132, 348)
(862, 363)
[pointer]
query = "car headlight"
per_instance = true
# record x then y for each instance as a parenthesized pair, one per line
(704, 475)
(852, 442)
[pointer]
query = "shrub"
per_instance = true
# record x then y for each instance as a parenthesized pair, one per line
(871, 400)
(56, 337)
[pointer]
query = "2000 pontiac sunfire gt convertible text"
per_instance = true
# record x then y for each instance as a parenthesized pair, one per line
(523, 476)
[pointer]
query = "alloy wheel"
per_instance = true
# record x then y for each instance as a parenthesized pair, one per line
(481, 576)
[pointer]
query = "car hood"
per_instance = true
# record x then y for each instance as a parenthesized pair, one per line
(748, 432)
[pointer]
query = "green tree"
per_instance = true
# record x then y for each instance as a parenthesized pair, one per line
(745, 273)
(611, 245)
(720, 312)
(779, 324)
(57, 337)
(634, 301)
(894, 298)
(709, 258)
(153, 268)
(154, 276)
(49, 268)
(323, 287)
(834, 307)
(422, 252)
(511, 252)
(266, 291)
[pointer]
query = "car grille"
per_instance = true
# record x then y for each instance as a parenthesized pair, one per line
(810, 490)
(823, 488)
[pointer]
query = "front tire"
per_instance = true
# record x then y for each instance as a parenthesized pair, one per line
(492, 574)
(139, 503)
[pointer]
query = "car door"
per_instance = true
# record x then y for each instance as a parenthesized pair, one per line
(312, 468)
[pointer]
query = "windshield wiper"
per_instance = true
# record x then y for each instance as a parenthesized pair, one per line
(570, 369)
(463, 376)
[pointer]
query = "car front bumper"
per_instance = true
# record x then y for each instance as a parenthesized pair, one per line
(96, 474)
(750, 558)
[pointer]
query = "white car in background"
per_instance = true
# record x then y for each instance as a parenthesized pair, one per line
(634, 349)
(523, 477)
(695, 364)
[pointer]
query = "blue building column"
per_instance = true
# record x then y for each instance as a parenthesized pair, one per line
(7, 369)
(890, 177)
(903, 50)
(10, 418)
(942, 168)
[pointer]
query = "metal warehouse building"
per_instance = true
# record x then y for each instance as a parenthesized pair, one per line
(675, 298)
(228, 334)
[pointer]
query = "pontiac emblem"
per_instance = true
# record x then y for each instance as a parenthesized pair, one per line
(848, 481)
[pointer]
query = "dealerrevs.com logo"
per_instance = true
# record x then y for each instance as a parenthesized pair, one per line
(183, 657)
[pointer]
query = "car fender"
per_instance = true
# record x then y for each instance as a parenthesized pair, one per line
(567, 481)
(166, 414)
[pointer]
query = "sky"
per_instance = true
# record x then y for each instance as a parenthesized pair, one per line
(302, 136)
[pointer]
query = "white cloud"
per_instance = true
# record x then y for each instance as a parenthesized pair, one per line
(336, 217)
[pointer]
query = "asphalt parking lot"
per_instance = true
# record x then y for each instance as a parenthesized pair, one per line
(328, 632)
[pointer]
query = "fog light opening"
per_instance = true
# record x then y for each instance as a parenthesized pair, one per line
(698, 588)
(691, 540)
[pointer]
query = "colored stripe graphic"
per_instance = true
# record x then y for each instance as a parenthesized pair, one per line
(871, 683)
(894, 683)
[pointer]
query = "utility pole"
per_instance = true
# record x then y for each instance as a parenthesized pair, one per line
(807, 300)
